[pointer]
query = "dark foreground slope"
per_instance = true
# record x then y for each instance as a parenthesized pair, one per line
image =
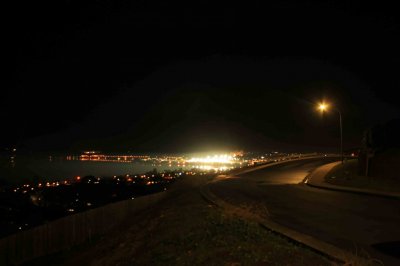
(186, 229)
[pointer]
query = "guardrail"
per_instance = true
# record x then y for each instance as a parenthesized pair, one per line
(280, 160)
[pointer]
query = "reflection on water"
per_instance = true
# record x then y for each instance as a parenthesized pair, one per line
(54, 168)
(12, 161)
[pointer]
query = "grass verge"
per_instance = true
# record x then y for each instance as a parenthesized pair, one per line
(347, 175)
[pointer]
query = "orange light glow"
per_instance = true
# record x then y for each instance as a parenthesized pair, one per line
(323, 106)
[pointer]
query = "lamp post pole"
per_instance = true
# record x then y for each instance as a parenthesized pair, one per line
(341, 135)
(322, 107)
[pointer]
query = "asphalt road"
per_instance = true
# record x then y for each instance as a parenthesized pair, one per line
(349, 221)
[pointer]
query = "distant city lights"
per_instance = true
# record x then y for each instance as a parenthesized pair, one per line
(227, 159)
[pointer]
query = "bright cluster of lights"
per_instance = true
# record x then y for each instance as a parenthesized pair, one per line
(213, 159)
(91, 156)
(209, 167)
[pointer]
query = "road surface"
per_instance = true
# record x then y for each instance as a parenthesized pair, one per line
(350, 221)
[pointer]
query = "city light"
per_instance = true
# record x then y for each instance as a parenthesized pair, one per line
(213, 159)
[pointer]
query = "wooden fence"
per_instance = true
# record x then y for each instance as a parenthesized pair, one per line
(69, 231)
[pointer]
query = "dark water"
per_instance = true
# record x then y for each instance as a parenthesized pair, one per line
(35, 169)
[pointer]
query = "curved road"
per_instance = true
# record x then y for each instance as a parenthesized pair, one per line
(349, 221)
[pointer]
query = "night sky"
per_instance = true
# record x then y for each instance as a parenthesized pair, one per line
(151, 76)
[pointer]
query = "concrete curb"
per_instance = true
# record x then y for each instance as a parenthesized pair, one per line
(327, 250)
(317, 177)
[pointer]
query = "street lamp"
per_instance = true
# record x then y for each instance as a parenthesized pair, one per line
(323, 107)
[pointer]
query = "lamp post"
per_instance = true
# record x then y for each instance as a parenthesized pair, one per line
(323, 107)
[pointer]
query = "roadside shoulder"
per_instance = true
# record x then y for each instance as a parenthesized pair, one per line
(317, 179)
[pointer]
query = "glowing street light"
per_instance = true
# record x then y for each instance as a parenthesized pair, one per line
(324, 107)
